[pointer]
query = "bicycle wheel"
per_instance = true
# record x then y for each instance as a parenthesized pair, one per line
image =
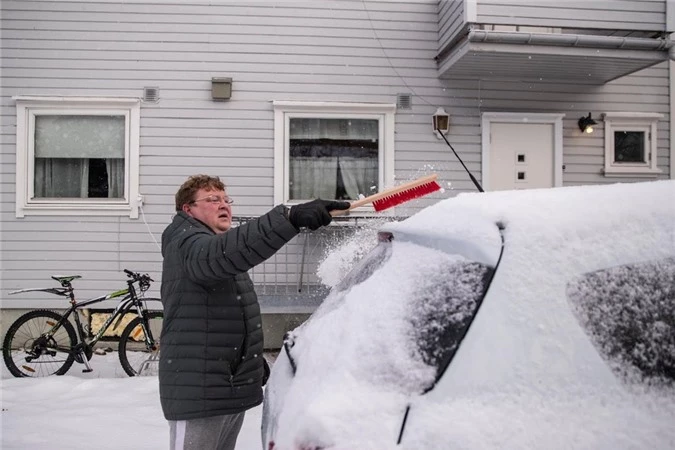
(29, 353)
(136, 356)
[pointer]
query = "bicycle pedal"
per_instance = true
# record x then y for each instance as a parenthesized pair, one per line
(87, 370)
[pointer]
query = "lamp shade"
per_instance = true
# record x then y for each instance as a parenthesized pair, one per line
(441, 121)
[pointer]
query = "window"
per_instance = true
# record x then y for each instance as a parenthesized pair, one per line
(332, 150)
(448, 300)
(630, 144)
(627, 311)
(77, 156)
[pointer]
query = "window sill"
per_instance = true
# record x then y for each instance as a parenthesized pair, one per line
(625, 172)
(76, 209)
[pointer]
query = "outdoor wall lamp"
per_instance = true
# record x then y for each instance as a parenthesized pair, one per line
(586, 124)
(440, 121)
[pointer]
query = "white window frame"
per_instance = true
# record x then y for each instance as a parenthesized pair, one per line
(285, 110)
(631, 121)
(27, 108)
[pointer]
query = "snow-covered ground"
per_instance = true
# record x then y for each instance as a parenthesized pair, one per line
(103, 409)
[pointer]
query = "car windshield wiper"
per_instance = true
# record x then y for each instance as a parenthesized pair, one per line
(289, 342)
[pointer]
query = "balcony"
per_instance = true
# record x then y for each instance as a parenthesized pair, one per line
(590, 43)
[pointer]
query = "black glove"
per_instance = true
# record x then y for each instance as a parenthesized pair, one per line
(314, 214)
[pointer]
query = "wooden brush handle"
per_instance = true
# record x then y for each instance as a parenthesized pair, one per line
(385, 193)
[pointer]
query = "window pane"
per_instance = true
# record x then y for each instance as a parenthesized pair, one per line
(627, 311)
(333, 158)
(448, 299)
(629, 147)
(79, 156)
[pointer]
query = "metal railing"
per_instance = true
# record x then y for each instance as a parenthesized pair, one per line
(288, 281)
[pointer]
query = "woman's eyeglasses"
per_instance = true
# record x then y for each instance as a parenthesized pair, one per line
(214, 200)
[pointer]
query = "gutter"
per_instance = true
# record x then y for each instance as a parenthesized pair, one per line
(572, 40)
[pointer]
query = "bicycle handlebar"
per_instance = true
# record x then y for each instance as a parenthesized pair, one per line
(144, 280)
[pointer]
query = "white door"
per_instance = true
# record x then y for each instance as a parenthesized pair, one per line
(522, 151)
(521, 156)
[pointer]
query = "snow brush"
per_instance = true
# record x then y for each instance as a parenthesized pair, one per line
(396, 195)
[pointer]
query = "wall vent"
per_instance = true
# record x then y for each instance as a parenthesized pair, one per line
(151, 94)
(404, 101)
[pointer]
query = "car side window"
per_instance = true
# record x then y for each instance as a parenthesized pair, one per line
(447, 303)
(629, 313)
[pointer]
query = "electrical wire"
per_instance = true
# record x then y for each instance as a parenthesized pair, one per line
(148, 227)
(384, 52)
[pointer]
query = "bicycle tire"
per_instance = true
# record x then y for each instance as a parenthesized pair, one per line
(135, 356)
(21, 339)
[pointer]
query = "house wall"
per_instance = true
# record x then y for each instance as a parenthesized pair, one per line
(347, 51)
(452, 18)
(315, 51)
(644, 15)
(583, 154)
(630, 15)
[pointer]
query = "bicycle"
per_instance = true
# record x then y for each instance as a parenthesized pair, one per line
(43, 342)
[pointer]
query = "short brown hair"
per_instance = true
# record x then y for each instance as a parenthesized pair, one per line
(187, 191)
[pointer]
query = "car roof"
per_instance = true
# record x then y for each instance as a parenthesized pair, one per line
(469, 223)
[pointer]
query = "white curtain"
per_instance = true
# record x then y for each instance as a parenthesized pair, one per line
(115, 169)
(59, 177)
(69, 178)
(359, 175)
(313, 177)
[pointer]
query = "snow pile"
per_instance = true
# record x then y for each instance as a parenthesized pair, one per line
(341, 255)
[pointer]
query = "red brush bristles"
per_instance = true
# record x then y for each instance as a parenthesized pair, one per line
(406, 195)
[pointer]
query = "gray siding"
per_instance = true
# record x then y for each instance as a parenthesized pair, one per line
(349, 51)
(619, 16)
(320, 51)
(451, 20)
(644, 15)
(583, 154)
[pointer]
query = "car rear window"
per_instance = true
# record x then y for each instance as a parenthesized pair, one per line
(629, 313)
(448, 299)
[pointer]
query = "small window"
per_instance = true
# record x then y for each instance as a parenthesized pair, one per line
(332, 150)
(627, 311)
(631, 144)
(77, 156)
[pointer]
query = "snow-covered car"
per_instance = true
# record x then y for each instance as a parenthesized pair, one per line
(538, 319)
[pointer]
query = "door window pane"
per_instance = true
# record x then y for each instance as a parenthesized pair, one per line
(333, 158)
(78, 156)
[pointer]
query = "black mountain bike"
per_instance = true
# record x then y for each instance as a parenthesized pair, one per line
(42, 342)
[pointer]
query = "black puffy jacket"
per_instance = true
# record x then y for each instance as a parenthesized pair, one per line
(211, 360)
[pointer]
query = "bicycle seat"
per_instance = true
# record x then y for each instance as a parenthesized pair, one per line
(65, 278)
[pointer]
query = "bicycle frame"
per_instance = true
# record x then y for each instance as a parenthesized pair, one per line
(130, 300)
